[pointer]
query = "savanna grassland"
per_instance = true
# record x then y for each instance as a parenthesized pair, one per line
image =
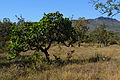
(36, 50)
(59, 48)
(88, 62)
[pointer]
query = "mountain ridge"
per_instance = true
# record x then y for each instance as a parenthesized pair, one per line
(113, 24)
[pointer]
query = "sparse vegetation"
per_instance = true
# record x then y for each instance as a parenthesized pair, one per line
(57, 49)
(86, 63)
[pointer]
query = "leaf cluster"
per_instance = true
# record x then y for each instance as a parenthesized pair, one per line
(111, 7)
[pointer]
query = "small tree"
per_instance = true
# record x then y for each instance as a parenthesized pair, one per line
(40, 35)
(21, 20)
(109, 37)
(4, 32)
(103, 36)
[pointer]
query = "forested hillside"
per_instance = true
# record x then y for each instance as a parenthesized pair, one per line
(112, 24)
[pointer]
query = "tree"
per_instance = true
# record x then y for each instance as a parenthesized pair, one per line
(21, 20)
(111, 7)
(6, 20)
(102, 36)
(40, 35)
(81, 29)
(109, 38)
(4, 32)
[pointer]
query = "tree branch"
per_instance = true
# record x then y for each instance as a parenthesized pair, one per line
(66, 44)
(49, 45)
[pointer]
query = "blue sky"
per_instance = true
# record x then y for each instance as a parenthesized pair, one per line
(33, 10)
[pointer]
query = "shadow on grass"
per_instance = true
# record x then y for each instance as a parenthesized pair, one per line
(27, 62)
(97, 58)
(21, 62)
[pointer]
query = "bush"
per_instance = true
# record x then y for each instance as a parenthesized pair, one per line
(99, 57)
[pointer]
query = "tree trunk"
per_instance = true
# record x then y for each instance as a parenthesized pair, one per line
(45, 51)
(47, 55)
(79, 44)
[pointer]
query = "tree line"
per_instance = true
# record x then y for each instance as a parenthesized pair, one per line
(52, 28)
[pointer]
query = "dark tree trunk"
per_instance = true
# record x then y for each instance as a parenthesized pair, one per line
(45, 51)
(79, 45)
(47, 55)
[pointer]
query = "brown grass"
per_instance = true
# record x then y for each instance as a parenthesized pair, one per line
(100, 70)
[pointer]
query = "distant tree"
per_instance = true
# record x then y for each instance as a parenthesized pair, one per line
(21, 20)
(110, 7)
(102, 36)
(81, 29)
(40, 35)
(109, 38)
(4, 32)
(6, 20)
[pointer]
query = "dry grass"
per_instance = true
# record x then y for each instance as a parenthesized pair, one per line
(100, 70)
(90, 71)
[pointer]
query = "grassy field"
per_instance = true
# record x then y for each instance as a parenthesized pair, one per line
(74, 63)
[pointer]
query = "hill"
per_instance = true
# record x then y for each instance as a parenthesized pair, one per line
(113, 24)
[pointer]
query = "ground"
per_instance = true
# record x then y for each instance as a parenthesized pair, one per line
(75, 63)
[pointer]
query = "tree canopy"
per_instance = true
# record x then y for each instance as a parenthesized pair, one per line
(40, 35)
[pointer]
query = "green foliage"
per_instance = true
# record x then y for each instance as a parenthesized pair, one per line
(4, 33)
(81, 30)
(14, 50)
(102, 36)
(111, 7)
(40, 35)
(37, 56)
